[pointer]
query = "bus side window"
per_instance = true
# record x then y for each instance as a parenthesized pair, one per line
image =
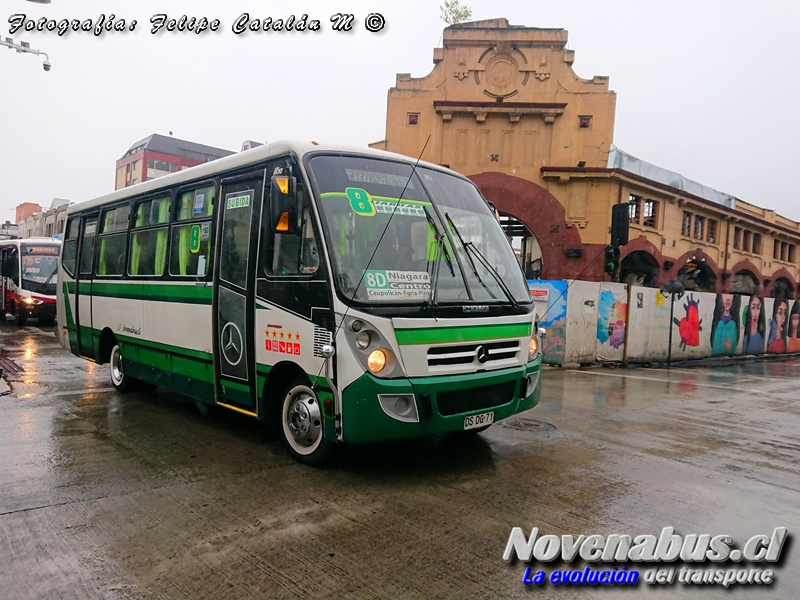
(87, 248)
(191, 233)
(11, 265)
(292, 254)
(113, 241)
(70, 253)
(148, 254)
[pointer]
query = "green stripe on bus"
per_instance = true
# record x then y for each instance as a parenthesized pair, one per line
(469, 333)
(234, 385)
(164, 292)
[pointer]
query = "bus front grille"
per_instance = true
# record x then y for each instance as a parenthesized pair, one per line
(452, 403)
(472, 353)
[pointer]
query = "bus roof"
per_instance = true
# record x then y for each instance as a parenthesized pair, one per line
(33, 240)
(235, 161)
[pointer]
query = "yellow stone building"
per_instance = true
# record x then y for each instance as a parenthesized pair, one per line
(504, 106)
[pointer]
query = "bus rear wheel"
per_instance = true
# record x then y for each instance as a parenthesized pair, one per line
(301, 425)
(119, 379)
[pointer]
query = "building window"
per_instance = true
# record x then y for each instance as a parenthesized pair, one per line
(585, 121)
(737, 238)
(413, 118)
(686, 224)
(650, 215)
(161, 165)
(776, 250)
(746, 235)
(792, 253)
(699, 227)
(634, 209)
(712, 231)
(757, 243)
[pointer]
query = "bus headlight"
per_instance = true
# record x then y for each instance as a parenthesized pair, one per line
(32, 301)
(363, 340)
(377, 360)
(533, 347)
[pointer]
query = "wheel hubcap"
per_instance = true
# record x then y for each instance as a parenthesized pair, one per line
(304, 419)
(116, 366)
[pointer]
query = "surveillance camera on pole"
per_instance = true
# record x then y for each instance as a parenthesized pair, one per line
(25, 48)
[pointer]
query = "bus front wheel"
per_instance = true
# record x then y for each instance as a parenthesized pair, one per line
(301, 425)
(119, 379)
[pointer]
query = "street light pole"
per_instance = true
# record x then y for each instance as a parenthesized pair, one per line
(25, 48)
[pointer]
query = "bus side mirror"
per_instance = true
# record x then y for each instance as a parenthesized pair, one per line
(283, 204)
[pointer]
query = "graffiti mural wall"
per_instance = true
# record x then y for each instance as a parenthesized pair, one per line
(612, 318)
(648, 325)
(589, 322)
(551, 305)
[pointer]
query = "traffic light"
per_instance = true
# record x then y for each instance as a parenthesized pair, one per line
(612, 262)
(620, 222)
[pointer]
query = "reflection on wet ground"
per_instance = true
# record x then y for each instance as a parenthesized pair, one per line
(105, 495)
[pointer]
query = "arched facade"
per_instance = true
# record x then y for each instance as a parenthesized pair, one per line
(504, 106)
(543, 215)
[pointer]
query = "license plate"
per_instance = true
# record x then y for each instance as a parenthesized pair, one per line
(474, 421)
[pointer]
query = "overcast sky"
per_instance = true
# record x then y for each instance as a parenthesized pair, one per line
(708, 89)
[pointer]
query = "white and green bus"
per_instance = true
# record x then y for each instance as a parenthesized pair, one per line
(347, 296)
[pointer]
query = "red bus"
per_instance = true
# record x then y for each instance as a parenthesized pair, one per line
(29, 270)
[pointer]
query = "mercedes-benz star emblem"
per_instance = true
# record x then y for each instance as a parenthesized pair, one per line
(482, 354)
(232, 344)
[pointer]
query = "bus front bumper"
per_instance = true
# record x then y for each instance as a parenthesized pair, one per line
(375, 409)
(43, 310)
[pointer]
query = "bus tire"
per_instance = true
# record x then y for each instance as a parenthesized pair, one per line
(120, 381)
(301, 425)
(20, 318)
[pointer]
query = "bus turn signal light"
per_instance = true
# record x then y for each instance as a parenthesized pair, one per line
(283, 184)
(283, 222)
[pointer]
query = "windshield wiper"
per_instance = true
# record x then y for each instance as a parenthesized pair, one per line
(470, 246)
(53, 274)
(440, 249)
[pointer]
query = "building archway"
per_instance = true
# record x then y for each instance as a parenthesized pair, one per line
(525, 245)
(782, 288)
(745, 282)
(564, 255)
(639, 268)
(697, 276)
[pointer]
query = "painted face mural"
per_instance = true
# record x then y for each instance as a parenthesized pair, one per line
(754, 327)
(690, 326)
(793, 335)
(777, 327)
(725, 326)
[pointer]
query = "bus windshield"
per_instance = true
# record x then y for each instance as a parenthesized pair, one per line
(39, 267)
(404, 236)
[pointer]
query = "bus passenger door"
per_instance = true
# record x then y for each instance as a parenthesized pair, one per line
(83, 288)
(234, 292)
(5, 258)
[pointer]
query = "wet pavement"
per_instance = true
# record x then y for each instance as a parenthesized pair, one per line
(115, 496)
